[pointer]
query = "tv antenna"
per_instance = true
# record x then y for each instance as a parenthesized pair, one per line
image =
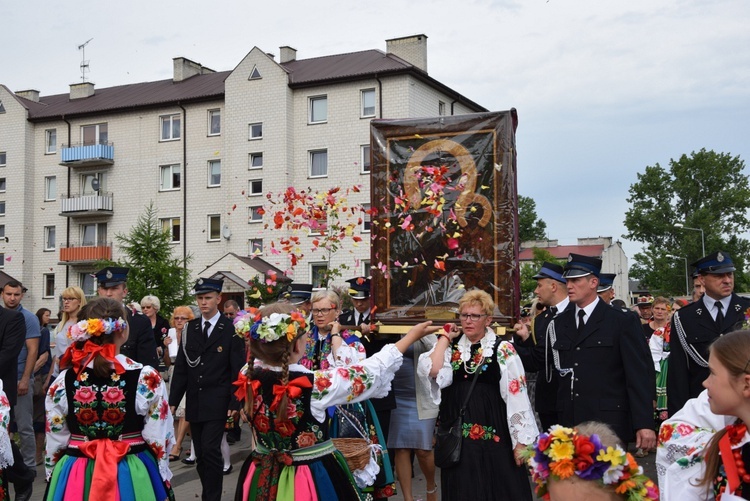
(84, 62)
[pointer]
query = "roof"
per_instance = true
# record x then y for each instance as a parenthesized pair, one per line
(562, 251)
(302, 73)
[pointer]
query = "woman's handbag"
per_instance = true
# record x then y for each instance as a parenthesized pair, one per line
(448, 437)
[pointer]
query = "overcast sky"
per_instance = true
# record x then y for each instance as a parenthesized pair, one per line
(602, 88)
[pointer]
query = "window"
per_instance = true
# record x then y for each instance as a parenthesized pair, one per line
(368, 103)
(214, 173)
(214, 227)
(170, 177)
(366, 218)
(94, 134)
(318, 109)
(441, 108)
(214, 122)
(50, 188)
(365, 151)
(319, 163)
(94, 234)
(50, 141)
(256, 161)
(171, 225)
(49, 285)
(2, 260)
(318, 223)
(255, 188)
(255, 214)
(254, 74)
(2, 208)
(2, 158)
(366, 268)
(92, 183)
(2, 107)
(255, 246)
(87, 284)
(3, 185)
(2, 231)
(49, 238)
(170, 127)
(256, 131)
(319, 275)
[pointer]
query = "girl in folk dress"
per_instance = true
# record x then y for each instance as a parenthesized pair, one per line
(286, 404)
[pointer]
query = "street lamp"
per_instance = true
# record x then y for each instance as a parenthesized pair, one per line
(703, 241)
(687, 284)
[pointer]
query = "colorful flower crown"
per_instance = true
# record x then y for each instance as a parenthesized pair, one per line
(85, 329)
(268, 329)
(563, 452)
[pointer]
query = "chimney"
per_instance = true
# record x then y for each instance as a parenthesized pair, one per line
(287, 54)
(81, 90)
(411, 49)
(184, 68)
(31, 94)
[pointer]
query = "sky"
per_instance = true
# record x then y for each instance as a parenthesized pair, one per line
(602, 88)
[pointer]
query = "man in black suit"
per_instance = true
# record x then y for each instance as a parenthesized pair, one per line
(698, 324)
(12, 339)
(605, 371)
(140, 346)
(551, 292)
(208, 362)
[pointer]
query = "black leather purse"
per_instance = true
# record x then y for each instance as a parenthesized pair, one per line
(448, 437)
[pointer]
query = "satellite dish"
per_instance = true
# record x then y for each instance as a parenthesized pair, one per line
(95, 184)
(226, 232)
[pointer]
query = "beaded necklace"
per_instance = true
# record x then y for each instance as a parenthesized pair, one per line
(476, 361)
(734, 465)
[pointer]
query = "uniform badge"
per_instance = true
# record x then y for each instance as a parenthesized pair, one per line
(200, 281)
(220, 349)
(570, 258)
(109, 274)
(720, 257)
(737, 307)
(698, 311)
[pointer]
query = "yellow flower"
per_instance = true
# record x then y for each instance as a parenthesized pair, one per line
(611, 455)
(95, 326)
(561, 450)
(561, 433)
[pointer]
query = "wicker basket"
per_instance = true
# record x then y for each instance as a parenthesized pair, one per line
(356, 451)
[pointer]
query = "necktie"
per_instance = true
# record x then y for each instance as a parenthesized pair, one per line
(206, 326)
(553, 310)
(581, 324)
(719, 314)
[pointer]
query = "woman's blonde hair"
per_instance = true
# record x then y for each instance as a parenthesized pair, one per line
(185, 310)
(151, 301)
(328, 295)
(477, 298)
(78, 293)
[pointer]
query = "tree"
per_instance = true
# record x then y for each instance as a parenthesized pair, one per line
(705, 190)
(528, 284)
(153, 269)
(529, 226)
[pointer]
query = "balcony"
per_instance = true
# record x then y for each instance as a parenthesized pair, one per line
(85, 254)
(87, 205)
(89, 155)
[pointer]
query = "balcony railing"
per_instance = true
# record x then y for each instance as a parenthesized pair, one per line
(85, 254)
(85, 155)
(84, 205)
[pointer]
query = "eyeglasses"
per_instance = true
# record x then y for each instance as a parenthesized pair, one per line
(70, 299)
(230, 315)
(181, 318)
(321, 311)
(474, 317)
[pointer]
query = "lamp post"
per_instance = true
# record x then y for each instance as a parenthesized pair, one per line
(687, 283)
(703, 241)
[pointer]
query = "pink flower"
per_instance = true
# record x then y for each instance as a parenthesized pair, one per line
(164, 410)
(84, 395)
(343, 373)
(514, 387)
(113, 395)
(684, 429)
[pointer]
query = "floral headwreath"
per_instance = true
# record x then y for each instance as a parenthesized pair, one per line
(268, 329)
(563, 452)
(94, 327)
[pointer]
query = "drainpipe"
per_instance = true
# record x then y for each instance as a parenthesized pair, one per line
(67, 222)
(380, 97)
(452, 103)
(184, 187)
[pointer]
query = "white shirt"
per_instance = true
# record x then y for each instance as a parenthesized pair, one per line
(213, 320)
(588, 310)
(711, 304)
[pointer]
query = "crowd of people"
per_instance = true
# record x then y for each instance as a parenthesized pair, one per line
(107, 399)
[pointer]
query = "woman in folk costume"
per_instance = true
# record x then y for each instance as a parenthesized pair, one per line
(286, 406)
(6, 453)
(705, 447)
(109, 429)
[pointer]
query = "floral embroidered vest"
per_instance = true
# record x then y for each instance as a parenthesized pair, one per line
(302, 430)
(102, 407)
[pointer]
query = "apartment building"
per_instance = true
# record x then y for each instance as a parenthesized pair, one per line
(206, 147)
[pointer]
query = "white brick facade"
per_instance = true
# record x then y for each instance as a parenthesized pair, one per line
(134, 177)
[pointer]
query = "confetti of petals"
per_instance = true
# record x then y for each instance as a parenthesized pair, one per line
(439, 265)
(452, 244)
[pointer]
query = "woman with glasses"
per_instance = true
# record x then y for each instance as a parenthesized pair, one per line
(498, 422)
(180, 317)
(329, 346)
(150, 306)
(73, 299)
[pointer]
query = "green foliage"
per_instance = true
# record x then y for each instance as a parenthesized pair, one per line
(529, 226)
(154, 270)
(261, 293)
(706, 190)
(528, 284)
